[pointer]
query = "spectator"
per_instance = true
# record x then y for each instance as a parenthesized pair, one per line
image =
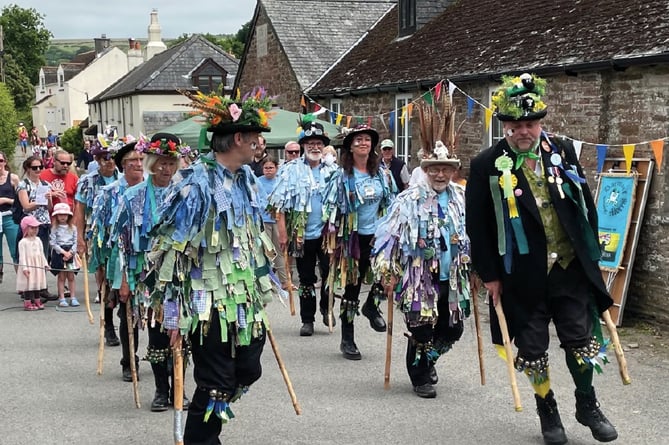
(51, 139)
(396, 166)
(8, 183)
(85, 157)
(291, 151)
(23, 137)
(259, 156)
(63, 243)
(32, 279)
(63, 182)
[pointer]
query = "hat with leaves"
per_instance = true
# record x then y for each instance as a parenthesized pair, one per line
(312, 129)
(519, 98)
(107, 144)
(224, 115)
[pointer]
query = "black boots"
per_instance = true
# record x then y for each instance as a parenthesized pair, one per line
(426, 391)
(307, 330)
(110, 336)
(348, 347)
(589, 414)
(551, 425)
(371, 311)
(161, 400)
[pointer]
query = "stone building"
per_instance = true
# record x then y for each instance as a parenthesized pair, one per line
(607, 64)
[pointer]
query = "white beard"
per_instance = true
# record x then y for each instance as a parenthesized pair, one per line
(314, 157)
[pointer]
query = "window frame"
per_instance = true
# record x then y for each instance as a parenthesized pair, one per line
(402, 136)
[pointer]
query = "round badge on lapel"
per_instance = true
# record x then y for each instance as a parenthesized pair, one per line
(556, 159)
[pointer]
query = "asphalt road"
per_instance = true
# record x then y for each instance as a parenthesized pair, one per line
(52, 395)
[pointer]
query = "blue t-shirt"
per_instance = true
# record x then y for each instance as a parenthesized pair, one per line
(445, 260)
(265, 187)
(314, 227)
(370, 190)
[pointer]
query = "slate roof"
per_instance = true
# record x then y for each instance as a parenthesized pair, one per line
(314, 34)
(69, 71)
(484, 38)
(164, 72)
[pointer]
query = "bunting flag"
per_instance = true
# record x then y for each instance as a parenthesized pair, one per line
(369, 121)
(657, 147)
(451, 88)
(601, 156)
(383, 122)
(348, 121)
(391, 121)
(470, 107)
(403, 116)
(628, 152)
(339, 118)
(410, 110)
(239, 94)
(303, 104)
(317, 108)
(437, 90)
(427, 97)
(578, 146)
(333, 117)
(488, 118)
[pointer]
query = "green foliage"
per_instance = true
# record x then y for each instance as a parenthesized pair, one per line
(18, 84)
(233, 44)
(26, 39)
(72, 140)
(8, 122)
(64, 51)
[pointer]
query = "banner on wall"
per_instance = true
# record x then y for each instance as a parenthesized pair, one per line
(615, 203)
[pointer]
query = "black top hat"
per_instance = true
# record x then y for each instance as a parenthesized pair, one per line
(313, 130)
(118, 158)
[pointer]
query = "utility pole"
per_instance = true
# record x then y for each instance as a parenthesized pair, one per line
(2, 55)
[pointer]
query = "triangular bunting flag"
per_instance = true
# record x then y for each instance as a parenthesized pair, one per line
(578, 146)
(601, 156)
(333, 117)
(470, 107)
(451, 88)
(303, 104)
(437, 90)
(403, 115)
(383, 122)
(339, 118)
(391, 121)
(409, 110)
(628, 152)
(657, 147)
(427, 97)
(348, 121)
(488, 118)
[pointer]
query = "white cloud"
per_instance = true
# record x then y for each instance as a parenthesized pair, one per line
(84, 19)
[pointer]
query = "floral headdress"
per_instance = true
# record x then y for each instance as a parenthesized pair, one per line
(161, 144)
(224, 115)
(519, 98)
(107, 143)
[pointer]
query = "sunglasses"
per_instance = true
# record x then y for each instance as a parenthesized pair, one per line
(293, 152)
(387, 148)
(65, 163)
(36, 167)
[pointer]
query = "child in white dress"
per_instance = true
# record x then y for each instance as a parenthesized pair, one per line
(31, 277)
(63, 242)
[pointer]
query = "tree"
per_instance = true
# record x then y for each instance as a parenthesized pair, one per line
(8, 122)
(18, 83)
(72, 140)
(26, 39)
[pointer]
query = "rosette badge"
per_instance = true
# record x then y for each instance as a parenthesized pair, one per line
(224, 115)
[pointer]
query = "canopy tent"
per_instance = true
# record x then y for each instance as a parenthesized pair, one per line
(283, 123)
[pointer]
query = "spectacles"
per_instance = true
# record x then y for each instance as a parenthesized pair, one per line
(293, 152)
(137, 159)
(443, 170)
(36, 167)
(65, 163)
(315, 144)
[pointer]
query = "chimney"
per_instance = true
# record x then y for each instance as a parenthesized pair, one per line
(135, 57)
(101, 43)
(155, 44)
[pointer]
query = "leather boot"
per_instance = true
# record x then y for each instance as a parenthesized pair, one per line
(348, 347)
(110, 336)
(371, 311)
(551, 424)
(161, 398)
(589, 414)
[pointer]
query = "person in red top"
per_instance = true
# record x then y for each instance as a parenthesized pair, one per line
(63, 182)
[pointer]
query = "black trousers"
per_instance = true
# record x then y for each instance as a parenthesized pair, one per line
(352, 291)
(124, 337)
(440, 333)
(306, 269)
(567, 303)
(221, 366)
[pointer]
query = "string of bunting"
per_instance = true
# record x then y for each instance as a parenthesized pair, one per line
(434, 93)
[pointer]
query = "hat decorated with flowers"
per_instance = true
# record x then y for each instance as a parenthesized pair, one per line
(223, 115)
(107, 144)
(312, 130)
(350, 133)
(161, 144)
(519, 98)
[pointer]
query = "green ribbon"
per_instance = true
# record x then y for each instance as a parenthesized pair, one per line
(522, 155)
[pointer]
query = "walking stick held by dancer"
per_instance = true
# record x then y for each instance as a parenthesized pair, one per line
(291, 300)
(620, 356)
(509, 353)
(178, 364)
(87, 298)
(101, 345)
(131, 347)
(389, 334)
(475, 285)
(284, 373)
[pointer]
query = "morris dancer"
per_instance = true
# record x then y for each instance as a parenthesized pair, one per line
(533, 229)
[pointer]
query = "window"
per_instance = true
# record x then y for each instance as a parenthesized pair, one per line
(407, 18)
(335, 106)
(402, 133)
(209, 76)
(495, 131)
(261, 41)
(207, 84)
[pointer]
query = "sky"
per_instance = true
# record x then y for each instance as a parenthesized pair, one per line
(122, 19)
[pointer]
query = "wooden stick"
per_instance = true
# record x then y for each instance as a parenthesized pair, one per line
(291, 300)
(620, 356)
(509, 355)
(178, 365)
(87, 298)
(284, 373)
(389, 340)
(101, 346)
(474, 286)
(131, 347)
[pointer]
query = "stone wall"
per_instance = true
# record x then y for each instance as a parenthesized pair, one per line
(155, 121)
